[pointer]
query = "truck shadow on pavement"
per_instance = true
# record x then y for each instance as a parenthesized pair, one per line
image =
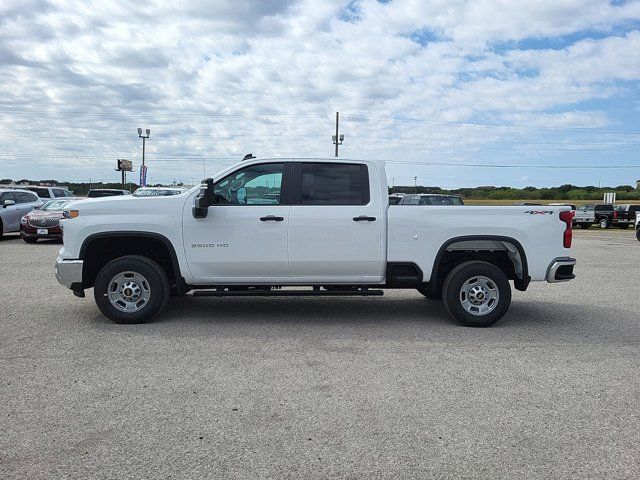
(393, 317)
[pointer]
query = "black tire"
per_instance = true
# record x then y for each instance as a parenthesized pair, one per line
(29, 240)
(157, 286)
(426, 291)
(463, 274)
(603, 223)
(1, 228)
(584, 226)
(638, 234)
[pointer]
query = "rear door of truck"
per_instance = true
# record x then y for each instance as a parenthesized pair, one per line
(337, 223)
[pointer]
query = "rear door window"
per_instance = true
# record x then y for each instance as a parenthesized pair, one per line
(58, 192)
(334, 184)
(41, 192)
(24, 197)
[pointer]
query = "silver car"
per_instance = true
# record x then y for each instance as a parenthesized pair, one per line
(15, 203)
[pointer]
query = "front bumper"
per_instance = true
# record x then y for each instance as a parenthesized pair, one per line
(24, 234)
(561, 270)
(69, 273)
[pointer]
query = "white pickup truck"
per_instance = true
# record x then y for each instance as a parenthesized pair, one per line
(268, 227)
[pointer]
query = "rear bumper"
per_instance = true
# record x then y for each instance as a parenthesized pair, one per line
(561, 270)
(69, 273)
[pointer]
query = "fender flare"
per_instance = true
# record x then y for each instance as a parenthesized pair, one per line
(519, 283)
(125, 233)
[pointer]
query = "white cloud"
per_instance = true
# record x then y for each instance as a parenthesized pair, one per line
(173, 69)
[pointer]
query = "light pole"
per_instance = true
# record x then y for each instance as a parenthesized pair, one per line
(144, 138)
(337, 138)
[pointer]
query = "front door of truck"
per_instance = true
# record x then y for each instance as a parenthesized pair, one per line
(243, 239)
(337, 226)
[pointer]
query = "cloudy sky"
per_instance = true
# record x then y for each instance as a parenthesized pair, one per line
(457, 93)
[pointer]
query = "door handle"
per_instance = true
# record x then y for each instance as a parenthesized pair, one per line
(364, 218)
(271, 218)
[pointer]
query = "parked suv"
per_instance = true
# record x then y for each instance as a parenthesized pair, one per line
(600, 213)
(15, 203)
(49, 192)
(431, 199)
(625, 215)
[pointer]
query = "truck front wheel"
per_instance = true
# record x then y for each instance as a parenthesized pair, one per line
(131, 289)
(476, 294)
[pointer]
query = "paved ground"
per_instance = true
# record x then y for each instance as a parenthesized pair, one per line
(367, 388)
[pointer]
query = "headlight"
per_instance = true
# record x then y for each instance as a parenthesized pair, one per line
(23, 220)
(70, 213)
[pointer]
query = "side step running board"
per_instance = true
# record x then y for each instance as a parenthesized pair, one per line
(288, 293)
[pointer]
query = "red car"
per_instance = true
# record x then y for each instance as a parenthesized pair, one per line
(44, 222)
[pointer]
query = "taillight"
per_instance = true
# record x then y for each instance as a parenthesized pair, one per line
(567, 218)
(615, 214)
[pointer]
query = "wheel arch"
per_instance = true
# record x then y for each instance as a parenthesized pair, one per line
(140, 239)
(516, 254)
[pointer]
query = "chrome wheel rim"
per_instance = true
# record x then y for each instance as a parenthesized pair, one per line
(129, 292)
(479, 295)
(603, 223)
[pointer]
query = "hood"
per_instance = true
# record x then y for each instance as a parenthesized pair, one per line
(127, 204)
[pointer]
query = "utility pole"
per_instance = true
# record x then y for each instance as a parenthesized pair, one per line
(337, 138)
(89, 183)
(204, 173)
(415, 183)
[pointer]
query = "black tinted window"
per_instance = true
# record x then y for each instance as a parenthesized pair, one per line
(333, 184)
(41, 192)
(23, 197)
(58, 193)
(103, 193)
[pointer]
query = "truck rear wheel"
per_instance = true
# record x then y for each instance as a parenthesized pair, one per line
(476, 294)
(603, 222)
(638, 234)
(131, 289)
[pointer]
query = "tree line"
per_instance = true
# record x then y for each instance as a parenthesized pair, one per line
(488, 192)
(563, 192)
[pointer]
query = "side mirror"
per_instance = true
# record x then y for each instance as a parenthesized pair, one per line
(204, 199)
(8, 203)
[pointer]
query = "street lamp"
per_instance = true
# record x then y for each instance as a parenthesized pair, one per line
(143, 137)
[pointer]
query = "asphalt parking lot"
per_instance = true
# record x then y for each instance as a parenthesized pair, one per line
(385, 387)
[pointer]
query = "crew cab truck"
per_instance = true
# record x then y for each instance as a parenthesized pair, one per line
(265, 227)
(591, 214)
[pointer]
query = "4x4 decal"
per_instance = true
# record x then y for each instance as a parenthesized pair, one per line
(539, 212)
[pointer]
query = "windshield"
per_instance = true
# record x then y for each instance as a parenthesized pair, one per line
(54, 205)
